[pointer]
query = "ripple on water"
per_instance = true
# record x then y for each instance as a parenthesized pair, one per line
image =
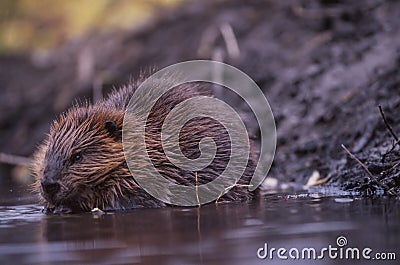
(13, 215)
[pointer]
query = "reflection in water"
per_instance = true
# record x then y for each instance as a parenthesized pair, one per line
(213, 234)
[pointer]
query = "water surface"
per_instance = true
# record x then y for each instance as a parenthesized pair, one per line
(213, 234)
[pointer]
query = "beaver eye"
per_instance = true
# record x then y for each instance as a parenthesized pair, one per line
(77, 157)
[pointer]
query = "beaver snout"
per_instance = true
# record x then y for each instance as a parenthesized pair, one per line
(50, 187)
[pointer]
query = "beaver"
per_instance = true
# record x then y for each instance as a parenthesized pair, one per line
(81, 164)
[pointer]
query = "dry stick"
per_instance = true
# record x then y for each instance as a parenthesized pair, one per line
(390, 169)
(230, 187)
(391, 150)
(230, 39)
(199, 234)
(15, 160)
(390, 129)
(197, 189)
(372, 177)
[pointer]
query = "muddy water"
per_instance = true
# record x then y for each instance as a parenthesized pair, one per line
(213, 234)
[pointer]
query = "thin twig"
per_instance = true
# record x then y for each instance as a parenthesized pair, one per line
(199, 234)
(238, 185)
(390, 129)
(231, 187)
(15, 160)
(371, 176)
(230, 39)
(391, 150)
(390, 169)
(197, 189)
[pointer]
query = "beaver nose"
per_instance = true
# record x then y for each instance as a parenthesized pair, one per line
(50, 187)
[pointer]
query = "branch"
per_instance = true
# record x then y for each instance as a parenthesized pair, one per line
(371, 176)
(15, 160)
(390, 129)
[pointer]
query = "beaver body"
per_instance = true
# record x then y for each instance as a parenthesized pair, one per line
(81, 164)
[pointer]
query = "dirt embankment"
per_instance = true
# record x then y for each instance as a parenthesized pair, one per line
(324, 65)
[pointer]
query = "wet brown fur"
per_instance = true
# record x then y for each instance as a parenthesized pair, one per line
(101, 178)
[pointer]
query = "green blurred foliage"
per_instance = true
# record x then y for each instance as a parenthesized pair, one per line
(45, 24)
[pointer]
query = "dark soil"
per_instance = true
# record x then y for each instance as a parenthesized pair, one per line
(324, 65)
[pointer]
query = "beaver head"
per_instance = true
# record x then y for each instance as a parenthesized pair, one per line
(76, 166)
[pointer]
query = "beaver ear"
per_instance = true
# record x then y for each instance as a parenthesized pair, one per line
(113, 130)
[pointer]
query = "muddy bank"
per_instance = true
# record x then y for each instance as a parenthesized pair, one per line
(324, 65)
